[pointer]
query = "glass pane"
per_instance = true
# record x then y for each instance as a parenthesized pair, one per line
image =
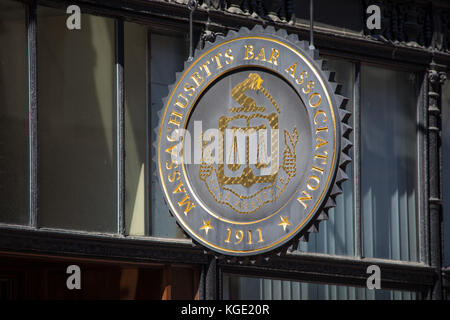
(135, 128)
(389, 163)
(246, 288)
(336, 236)
(168, 54)
(13, 114)
(446, 168)
(77, 123)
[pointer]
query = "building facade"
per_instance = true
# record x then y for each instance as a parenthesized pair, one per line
(78, 110)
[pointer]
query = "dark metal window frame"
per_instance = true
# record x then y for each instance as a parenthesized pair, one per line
(421, 276)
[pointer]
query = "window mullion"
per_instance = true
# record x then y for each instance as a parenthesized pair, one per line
(32, 114)
(357, 160)
(120, 121)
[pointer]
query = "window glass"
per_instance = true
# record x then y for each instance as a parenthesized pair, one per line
(135, 128)
(446, 168)
(246, 288)
(336, 235)
(77, 123)
(13, 114)
(168, 54)
(389, 163)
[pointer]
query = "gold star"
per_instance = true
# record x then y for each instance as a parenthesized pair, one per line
(284, 222)
(207, 226)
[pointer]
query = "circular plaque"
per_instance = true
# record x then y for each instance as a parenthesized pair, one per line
(251, 143)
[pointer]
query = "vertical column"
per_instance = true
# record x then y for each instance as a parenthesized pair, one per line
(120, 119)
(357, 161)
(32, 113)
(436, 77)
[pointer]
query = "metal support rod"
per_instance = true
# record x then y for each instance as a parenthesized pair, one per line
(311, 25)
(192, 5)
(120, 121)
(33, 114)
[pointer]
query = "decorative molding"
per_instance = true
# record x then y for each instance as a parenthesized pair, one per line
(273, 10)
(436, 77)
(307, 267)
(294, 266)
(411, 23)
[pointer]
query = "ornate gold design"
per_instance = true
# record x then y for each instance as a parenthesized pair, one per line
(161, 160)
(284, 222)
(219, 183)
(207, 226)
(289, 156)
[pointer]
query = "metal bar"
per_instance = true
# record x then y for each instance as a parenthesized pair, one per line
(120, 120)
(301, 266)
(33, 114)
(357, 161)
(311, 24)
(434, 171)
(423, 229)
(192, 5)
(149, 141)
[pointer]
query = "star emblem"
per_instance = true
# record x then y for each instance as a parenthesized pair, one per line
(284, 222)
(206, 226)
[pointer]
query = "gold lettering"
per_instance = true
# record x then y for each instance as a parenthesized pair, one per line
(320, 112)
(205, 67)
(248, 52)
(260, 235)
(320, 142)
(261, 55)
(320, 170)
(302, 200)
(189, 87)
(169, 138)
(303, 76)
(314, 105)
(323, 157)
(169, 165)
(218, 63)
(171, 150)
(274, 56)
(309, 86)
(179, 104)
(321, 129)
(198, 79)
(228, 54)
(187, 203)
(179, 189)
(174, 176)
(228, 235)
(311, 187)
(174, 119)
(291, 69)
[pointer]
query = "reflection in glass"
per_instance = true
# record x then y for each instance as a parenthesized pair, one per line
(336, 235)
(77, 123)
(13, 114)
(135, 128)
(246, 288)
(389, 164)
(168, 54)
